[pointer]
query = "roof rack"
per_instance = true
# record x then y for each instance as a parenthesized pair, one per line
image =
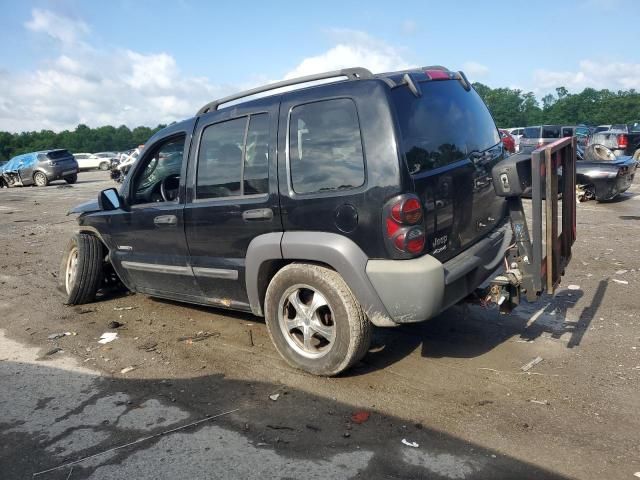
(356, 73)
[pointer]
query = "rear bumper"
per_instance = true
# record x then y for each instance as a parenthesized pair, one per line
(55, 172)
(609, 178)
(418, 289)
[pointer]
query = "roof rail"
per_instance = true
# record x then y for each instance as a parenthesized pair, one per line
(356, 73)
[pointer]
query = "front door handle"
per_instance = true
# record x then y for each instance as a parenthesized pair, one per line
(258, 214)
(165, 220)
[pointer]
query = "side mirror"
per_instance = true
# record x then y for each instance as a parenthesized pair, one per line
(109, 199)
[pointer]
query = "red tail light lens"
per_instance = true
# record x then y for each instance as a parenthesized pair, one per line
(404, 234)
(437, 74)
(623, 141)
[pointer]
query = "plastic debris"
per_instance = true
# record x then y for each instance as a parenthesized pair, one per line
(127, 369)
(621, 282)
(637, 474)
(574, 287)
(198, 337)
(360, 416)
(53, 336)
(108, 337)
(115, 324)
(410, 444)
(621, 272)
(120, 309)
(274, 397)
(527, 366)
(540, 402)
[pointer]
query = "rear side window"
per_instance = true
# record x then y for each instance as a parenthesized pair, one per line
(325, 147)
(56, 154)
(550, 131)
(567, 132)
(442, 126)
(531, 132)
(234, 158)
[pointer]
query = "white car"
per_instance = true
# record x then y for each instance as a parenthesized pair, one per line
(516, 133)
(88, 161)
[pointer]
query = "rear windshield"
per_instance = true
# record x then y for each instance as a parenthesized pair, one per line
(531, 132)
(54, 155)
(442, 126)
(550, 131)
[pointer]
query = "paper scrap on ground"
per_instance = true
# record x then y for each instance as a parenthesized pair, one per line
(621, 282)
(274, 397)
(108, 337)
(574, 287)
(528, 366)
(410, 444)
(127, 369)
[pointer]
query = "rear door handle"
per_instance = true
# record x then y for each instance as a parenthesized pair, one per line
(258, 214)
(165, 220)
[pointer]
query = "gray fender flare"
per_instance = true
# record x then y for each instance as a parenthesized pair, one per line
(337, 251)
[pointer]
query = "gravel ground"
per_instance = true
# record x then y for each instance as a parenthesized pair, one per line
(453, 385)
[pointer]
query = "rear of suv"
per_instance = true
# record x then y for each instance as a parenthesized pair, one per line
(326, 209)
(40, 168)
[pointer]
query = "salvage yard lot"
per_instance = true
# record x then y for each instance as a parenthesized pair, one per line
(453, 385)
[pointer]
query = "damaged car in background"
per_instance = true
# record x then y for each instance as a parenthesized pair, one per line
(601, 175)
(39, 169)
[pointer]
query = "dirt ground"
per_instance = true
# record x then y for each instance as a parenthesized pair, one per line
(452, 385)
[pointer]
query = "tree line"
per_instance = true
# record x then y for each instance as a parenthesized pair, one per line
(509, 107)
(515, 108)
(82, 139)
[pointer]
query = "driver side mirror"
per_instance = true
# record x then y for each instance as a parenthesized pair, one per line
(109, 199)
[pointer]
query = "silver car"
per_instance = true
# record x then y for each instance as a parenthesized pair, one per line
(537, 136)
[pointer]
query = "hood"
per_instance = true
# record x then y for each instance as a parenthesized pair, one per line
(86, 207)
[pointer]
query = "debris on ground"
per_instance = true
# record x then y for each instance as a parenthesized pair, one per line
(313, 428)
(127, 369)
(540, 402)
(360, 416)
(410, 444)
(148, 346)
(82, 310)
(115, 324)
(108, 337)
(346, 434)
(54, 336)
(621, 282)
(120, 309)
(527, 366)
(574, 287)
(198, 337)
(274, 397)
(279, 427)
(52, 351)
(621, 272)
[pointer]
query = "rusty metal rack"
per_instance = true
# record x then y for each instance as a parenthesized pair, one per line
(537, 259)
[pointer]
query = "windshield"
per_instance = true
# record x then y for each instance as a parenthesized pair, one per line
(531, 132)
(442, 126)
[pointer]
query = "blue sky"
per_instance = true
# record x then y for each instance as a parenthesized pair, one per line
(141, 62)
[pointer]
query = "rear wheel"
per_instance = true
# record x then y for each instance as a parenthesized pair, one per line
(81, 269)
(71, 178)
(636, 156)
(104, 166)
(40, 179)
(314, 320)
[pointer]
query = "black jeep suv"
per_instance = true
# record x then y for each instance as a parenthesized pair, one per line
(327, 209)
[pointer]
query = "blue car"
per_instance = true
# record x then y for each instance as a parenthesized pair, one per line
(39, 168)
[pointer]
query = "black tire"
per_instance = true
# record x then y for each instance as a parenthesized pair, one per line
(636, 155)
(104, 166)
(352, 329)
(71, 178)
(40, 179)
(84, 284)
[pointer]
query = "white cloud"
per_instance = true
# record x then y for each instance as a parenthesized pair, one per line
(611, 75)
(474, 69)
(63, 29)
(353, 49)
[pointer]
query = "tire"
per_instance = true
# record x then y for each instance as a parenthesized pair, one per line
(104, 166)
(40, 179)
(636, 155)
(71, 178)
(81, 285)
(327, 304)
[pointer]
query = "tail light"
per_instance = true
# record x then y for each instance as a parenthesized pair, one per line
(623, 141)
(438, 74)
(404, 230)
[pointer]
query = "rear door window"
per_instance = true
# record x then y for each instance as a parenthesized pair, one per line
(325, 147)
(550, 131)
(442, 126)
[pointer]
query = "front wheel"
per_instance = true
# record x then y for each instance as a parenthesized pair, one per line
(71, 178)
(40, 179)
(81, 269)
(314, 321)
(104, 166)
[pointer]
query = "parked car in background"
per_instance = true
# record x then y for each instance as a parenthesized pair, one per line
(602, 175)
(83, 161)
(40, 168)
(601, 128)
(508, 141)
(539, 135)
(623, 140)
(102, 160)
